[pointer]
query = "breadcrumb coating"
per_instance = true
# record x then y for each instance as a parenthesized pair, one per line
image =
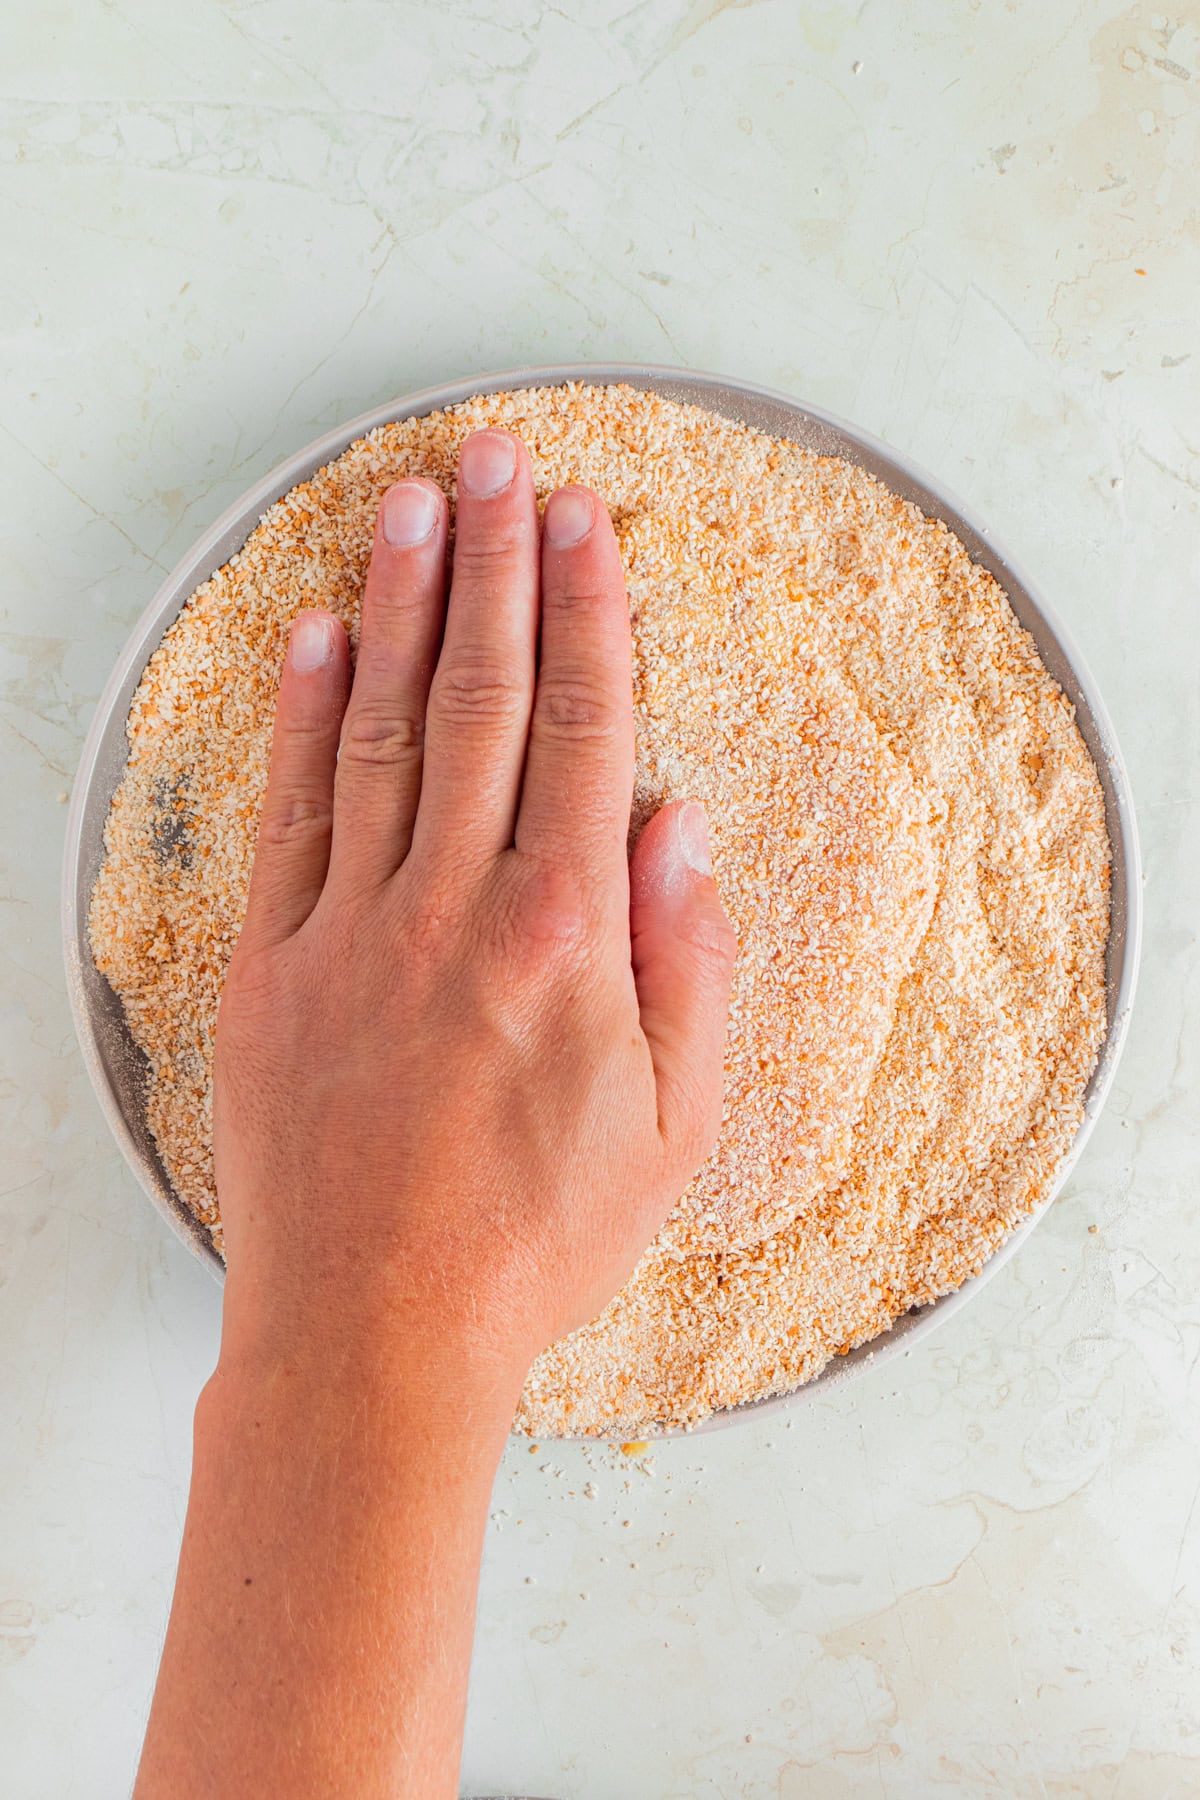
(908, 834)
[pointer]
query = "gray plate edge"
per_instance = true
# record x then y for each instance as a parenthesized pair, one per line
(770, 410)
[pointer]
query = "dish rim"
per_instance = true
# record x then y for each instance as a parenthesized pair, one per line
(114, 1063)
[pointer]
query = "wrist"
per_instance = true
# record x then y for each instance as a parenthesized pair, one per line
(435, 1372)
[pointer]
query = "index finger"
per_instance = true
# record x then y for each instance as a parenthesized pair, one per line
(578, 786)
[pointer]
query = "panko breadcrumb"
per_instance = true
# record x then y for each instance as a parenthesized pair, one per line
(908, 834)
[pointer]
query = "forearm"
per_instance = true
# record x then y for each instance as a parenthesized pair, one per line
(468, 1055)
(320, 1635)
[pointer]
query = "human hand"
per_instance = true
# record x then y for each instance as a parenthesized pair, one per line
(468, 1055)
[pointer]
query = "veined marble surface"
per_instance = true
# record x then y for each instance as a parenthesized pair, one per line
(972, 229)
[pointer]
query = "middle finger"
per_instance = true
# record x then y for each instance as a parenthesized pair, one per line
(477, 722)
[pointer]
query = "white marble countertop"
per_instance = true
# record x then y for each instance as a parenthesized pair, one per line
(971, 229)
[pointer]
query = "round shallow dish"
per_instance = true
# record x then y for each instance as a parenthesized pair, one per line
(116, 1065)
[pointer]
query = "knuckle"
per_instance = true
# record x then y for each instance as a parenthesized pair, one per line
(573, 596)
(695, 1108)
(387, 612)
(302, 728)
(430, 920)
(301, 745)
(345, 936)
(256, 984)
(575, 706)
(292, 818)
(545, 908)
(709, 934)
(489, 565)
(426, 929)
(478, 690)
(376, 733)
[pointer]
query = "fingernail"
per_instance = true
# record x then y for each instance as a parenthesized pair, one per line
(312, 642)
(693, 838)
(569, 516)
(487, 463)
(410, 513)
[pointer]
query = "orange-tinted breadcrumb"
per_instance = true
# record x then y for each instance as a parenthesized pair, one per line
(908, 834)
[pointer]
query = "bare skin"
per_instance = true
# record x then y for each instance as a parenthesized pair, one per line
(468, 1057)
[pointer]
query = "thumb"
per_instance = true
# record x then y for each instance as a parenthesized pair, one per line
(683, 950)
